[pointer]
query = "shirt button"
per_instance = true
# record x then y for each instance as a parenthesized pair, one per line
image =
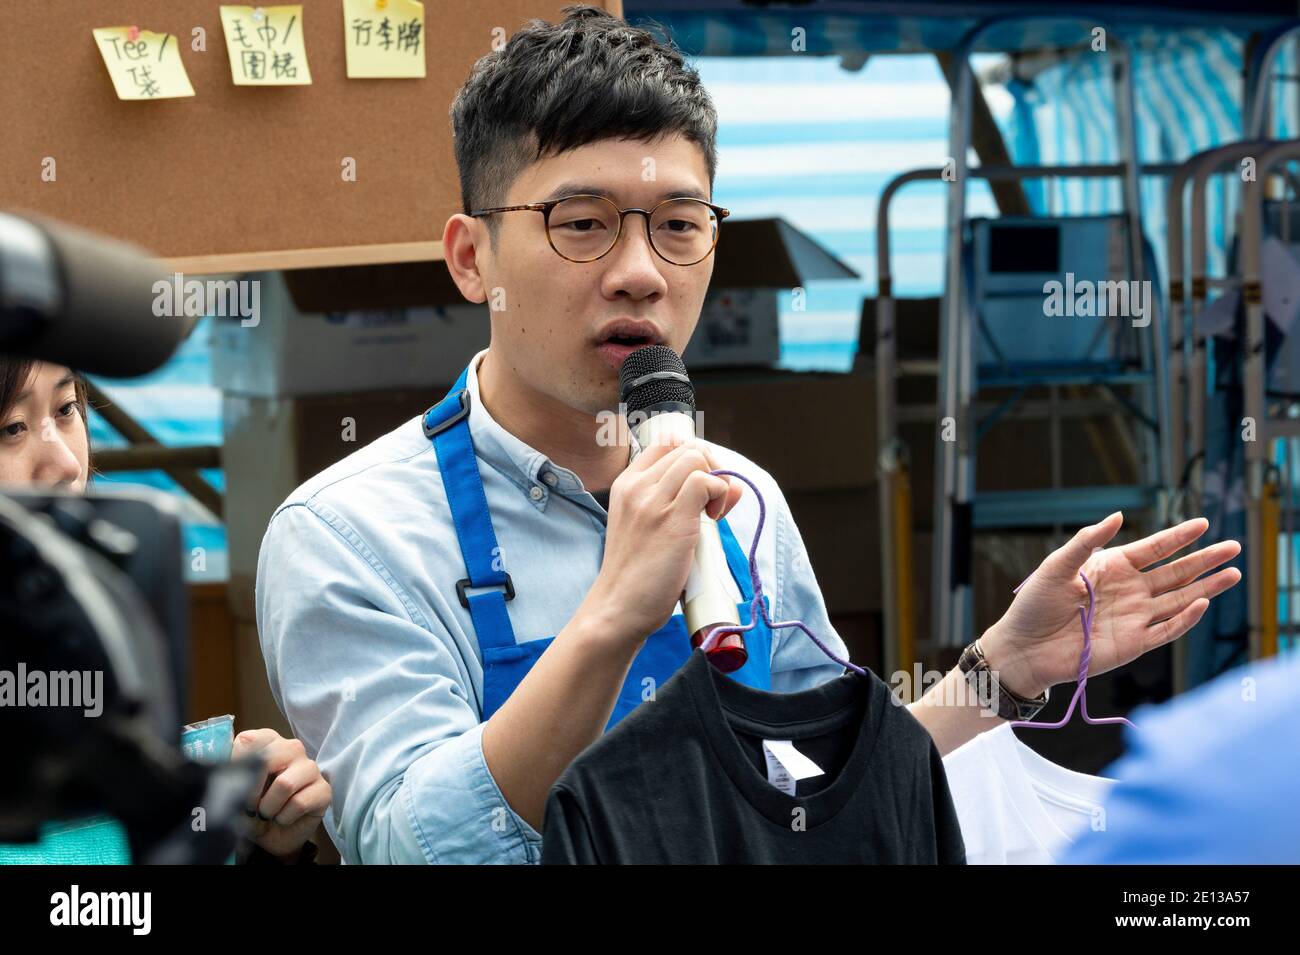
(550, 478)
(535, 492)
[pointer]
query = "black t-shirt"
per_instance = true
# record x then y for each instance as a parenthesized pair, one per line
(602, 498)
(684, 778)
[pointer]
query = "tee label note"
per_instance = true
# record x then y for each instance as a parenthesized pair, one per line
(384, 39)
(143, 64)
(266, 45)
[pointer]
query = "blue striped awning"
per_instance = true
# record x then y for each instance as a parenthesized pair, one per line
(855, 27)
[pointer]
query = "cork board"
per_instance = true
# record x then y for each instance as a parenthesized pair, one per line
(241, 178)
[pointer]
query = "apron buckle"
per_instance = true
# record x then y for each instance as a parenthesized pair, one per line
(429, 432)
(462, 584)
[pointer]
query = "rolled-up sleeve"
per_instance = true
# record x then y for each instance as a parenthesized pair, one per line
(379, 695)
(797, 662)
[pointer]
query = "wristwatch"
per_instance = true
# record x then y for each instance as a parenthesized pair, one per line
(991, 695)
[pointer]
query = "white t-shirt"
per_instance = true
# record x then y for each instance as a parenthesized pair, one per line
(1014, 806)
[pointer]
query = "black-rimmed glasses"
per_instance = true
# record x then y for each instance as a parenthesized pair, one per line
(584, 228)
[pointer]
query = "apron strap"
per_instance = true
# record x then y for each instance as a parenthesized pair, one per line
(447, 425)
(737, 560)
(757, 671)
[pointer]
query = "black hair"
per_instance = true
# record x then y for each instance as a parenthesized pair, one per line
(556, 87)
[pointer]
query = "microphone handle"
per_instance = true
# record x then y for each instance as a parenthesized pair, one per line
(706, 602)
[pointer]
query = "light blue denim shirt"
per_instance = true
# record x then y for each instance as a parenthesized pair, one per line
(375, 664)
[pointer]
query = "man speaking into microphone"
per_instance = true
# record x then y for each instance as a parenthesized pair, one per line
(439, 746)
(451, 614)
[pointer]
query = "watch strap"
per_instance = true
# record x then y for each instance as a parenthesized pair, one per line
(989, 691)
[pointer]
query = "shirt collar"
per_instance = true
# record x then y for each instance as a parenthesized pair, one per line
(532, 471)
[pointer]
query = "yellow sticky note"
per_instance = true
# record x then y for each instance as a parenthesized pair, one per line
(384, 39)
(266, 45)
(143, 64)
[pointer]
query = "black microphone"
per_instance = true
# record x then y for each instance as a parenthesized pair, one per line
(659, 400)
(70, 297)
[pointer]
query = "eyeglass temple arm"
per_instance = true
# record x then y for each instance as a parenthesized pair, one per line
(532, 207)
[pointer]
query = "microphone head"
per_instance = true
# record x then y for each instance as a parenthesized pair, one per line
(653, 379)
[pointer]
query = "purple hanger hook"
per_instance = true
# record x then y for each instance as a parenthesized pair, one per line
(1080, 697)
(757, 608)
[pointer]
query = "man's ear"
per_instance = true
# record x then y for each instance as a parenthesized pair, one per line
(463, 240)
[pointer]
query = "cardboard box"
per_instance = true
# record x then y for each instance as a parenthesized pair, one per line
(756, 261)
(737, 327)
(771, 253)
(289, 352)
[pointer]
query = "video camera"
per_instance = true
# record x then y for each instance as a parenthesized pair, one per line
(93, 608)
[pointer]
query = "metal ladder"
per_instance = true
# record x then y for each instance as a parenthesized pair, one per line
(1190, 283)
(960, 509)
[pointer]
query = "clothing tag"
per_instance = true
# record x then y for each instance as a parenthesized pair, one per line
(786, 765)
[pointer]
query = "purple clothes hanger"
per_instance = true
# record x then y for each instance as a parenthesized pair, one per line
(1080, 694)
(758, 609)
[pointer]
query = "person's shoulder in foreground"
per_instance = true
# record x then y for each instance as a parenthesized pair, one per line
(1212, 777)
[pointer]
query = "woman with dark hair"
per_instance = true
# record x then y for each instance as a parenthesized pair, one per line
(45, 443)
(44, 430)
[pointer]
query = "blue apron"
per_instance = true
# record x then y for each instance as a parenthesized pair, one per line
(505, 660)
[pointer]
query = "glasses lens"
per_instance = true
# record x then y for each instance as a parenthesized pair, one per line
(684, 230)
(584, 227)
